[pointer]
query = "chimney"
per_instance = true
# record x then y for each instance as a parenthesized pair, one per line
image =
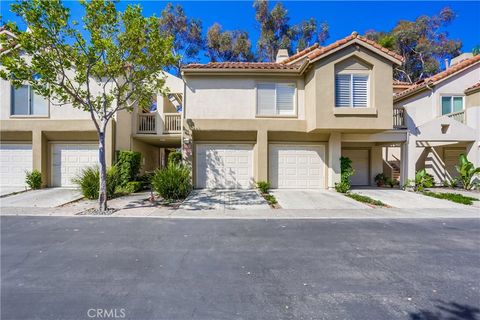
(282, 54)
(446, 64)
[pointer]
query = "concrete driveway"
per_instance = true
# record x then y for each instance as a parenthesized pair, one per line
(43, 198)
(404, 199)
(6, 190)
(315, 199)
(204, 199)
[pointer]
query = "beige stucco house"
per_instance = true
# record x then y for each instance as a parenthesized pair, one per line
(443, 120)
(59, 141)
(289, 121)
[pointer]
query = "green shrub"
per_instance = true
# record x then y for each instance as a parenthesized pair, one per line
(263, 186)
(365, 199)
(172, 182)
(346, 172)
(270, 199)
(128, 165)
(133, 186)
(174, 157)
(381, 179)
(33, 179)
(451, 183)
(455, 197)
(392, 182)
(89, 182)
(423, 180)
(468, 173)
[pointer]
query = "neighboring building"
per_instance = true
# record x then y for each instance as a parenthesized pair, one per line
(443, 115)
(59, 141)
(290, 121)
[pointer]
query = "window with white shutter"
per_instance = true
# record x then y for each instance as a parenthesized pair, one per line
(275, 99)
(351, 90)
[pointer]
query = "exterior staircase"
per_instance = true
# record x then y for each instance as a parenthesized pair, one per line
(395, 169)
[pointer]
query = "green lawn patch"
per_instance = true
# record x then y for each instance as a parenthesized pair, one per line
(365, 199)
(455, 197)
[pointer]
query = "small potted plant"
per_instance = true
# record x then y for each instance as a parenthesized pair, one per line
(380, 179)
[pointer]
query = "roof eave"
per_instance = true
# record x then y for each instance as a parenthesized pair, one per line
(226, 71)
(364, 44)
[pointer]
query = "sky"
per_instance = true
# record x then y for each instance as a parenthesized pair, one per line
(342, 17)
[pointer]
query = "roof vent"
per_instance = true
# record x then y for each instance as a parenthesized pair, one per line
(282, 54)
(463, 56)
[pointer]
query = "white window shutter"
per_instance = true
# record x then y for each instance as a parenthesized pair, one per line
(284, 99)
(360, 90)
(266, 99)
(342, 90)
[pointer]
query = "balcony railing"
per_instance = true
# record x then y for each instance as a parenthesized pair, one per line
(173, 123)
(399, 118)
(147, 123)
(459, 116)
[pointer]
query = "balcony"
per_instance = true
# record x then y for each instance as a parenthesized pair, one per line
(154, 123)
(172, 123)
(459, 116)
(399, 116)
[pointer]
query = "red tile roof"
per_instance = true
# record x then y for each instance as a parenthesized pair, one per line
(241, 65)
(474, 88)
(323, 50)
(300, 54)
(422, 84)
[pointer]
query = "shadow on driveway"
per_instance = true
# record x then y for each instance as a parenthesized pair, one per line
(205, 199)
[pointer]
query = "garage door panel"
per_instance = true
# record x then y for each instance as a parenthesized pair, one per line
(69, 159)
(224, 166)
(296, 167)
(451, 160)
(15, 159)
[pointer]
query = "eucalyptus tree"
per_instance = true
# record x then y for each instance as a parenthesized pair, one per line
(108, 62)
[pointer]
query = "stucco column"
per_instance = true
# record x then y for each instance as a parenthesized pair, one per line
(376, 163)
(473, 153)
(260, 157)
(334, 154)
(40, 155)
(409, 158)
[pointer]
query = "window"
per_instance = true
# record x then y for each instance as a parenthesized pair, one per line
(275, 99)
(25, 102)
(351, 90)
(451, 104)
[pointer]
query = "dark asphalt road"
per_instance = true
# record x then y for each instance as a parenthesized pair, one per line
(60, 268)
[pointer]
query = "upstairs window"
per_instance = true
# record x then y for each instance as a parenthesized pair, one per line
(276, 99)
(25, 102)
(451, 104)
(351, 90)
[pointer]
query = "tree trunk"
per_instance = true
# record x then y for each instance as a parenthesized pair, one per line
(102, 195)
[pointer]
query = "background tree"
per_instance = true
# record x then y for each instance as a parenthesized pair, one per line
(186, 33)
(113, 64)
(277, 33)
(423, 43)
(228, 45)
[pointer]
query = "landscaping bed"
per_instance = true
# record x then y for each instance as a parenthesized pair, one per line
(454, 197)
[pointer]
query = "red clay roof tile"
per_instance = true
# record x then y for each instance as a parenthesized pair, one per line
(473, 88)
(439, 76)
(241, 65)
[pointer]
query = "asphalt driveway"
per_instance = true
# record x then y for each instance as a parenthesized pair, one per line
(43, 198)
(314, 199)
(60, 268)
(206, 199)
(404, 199)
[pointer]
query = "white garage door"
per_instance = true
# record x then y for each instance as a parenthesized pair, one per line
(451, 160)
(69, 159)
(224, 166)
(361, 163)
(15, 159)
(296, 167)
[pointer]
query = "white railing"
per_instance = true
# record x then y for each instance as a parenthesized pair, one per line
(173, 122)
(459, 116)
(147, 123)
(399, 118)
